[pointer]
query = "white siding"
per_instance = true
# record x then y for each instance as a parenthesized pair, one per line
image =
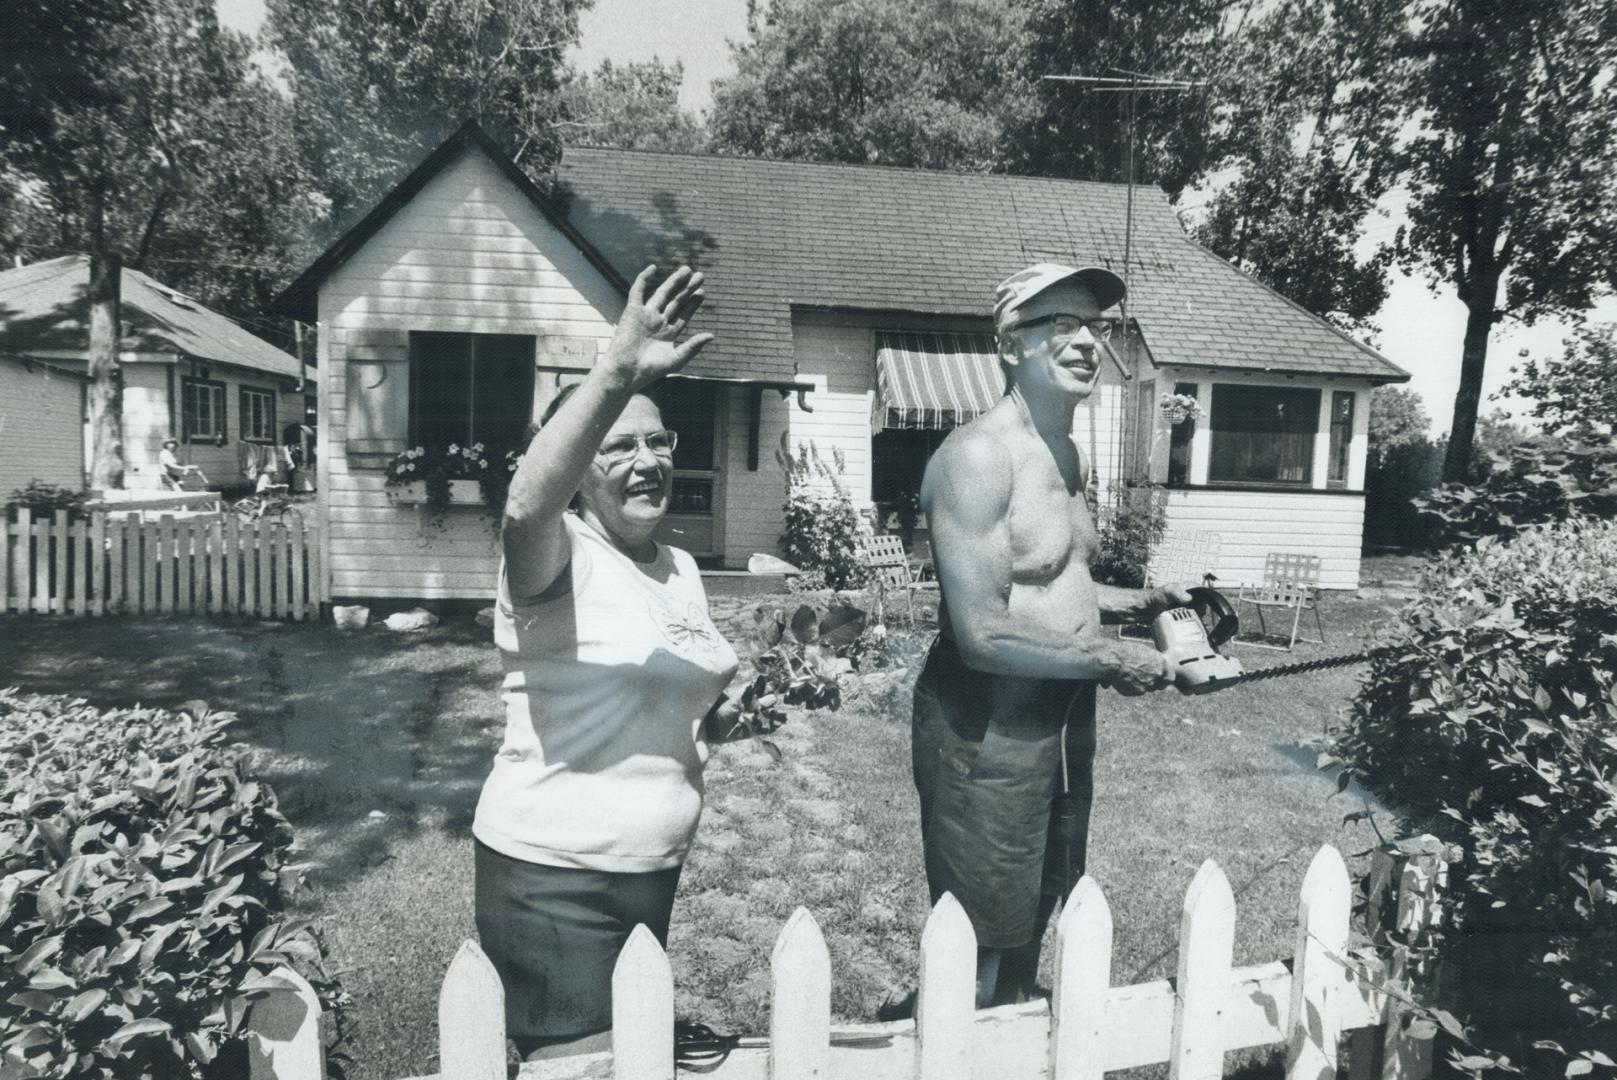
(1251, 524)
(841, 362)
(470, 253)
(41, 427)
(754, 498)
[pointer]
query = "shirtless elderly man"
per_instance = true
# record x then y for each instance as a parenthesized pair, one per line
(1004, 721)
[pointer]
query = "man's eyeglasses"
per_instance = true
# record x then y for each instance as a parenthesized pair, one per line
(624, 447)
(1064, 327)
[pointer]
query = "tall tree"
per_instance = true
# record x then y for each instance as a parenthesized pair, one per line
(377, 83)
(114, 115)
(632, 106)
(1308, 126)
(924, 83)
(1512, 201)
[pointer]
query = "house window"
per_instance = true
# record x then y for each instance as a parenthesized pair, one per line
(1179, 440)
(1341, 437)
(690, 408)
(1263, 435)
(202, 410)
(469, 388)
(257, 415)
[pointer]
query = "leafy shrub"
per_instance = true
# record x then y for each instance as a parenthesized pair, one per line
(1495, 724)
(1133, 525)
(43, 500)
(1530, 484)
(821, 523)
(798, 659)
(143, 880)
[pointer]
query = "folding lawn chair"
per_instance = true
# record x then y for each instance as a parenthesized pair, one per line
(889, 564)
(1290, 582)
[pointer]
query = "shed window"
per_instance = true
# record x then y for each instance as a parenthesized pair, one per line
(1341, 437)
(257, 415)
(202, 410)
(1263, 435)
(469, 388)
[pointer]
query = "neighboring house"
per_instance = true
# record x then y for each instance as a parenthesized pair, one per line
(187, 371)
(467, 297)
(41, 424)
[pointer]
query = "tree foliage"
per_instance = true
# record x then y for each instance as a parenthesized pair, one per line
(1305, 119)
(633, 107)
(1577, 395)
(924, 83)
(1081, 133)
(1511, 199)
(378, 83)
(1398, 418)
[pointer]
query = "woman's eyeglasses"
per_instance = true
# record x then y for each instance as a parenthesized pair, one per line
(1065, 327)
(623, 448)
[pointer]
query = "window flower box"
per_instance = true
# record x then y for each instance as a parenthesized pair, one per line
(414, 493)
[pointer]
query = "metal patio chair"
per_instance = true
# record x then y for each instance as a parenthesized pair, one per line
(1290, 582)
(890, 566)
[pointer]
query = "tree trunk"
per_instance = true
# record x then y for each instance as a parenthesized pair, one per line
(106, 375)
(1474, 357)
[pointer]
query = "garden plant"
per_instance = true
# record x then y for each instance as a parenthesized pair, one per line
(144, 882)
(1493, 723)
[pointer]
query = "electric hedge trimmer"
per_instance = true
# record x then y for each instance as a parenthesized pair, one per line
(1184, 636)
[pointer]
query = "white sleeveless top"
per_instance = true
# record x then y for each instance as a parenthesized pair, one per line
(606, 688)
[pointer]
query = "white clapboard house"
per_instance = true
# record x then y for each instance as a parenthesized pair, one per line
(188, 372)
(851, 307)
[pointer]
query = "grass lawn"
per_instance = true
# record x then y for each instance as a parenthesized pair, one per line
(378, 744)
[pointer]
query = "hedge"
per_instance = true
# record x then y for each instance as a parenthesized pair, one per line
(1495, 721)
(144, 882)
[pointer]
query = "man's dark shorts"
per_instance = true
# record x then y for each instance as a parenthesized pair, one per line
(998, 824)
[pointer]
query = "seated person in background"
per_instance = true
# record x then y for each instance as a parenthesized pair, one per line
(173, 471)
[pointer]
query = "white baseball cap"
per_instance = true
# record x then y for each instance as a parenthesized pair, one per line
(1106, 287)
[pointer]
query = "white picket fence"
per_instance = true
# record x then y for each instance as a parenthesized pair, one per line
(201, 565)
(1089, 1027)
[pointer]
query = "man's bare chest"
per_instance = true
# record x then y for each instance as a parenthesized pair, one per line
(1049, 525)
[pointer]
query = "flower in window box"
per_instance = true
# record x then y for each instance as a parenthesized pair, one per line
(1177, 408)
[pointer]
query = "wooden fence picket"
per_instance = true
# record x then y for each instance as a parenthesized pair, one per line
(148, 555)
(471, 1018)
(1206, 949)
(642, 1011)
(1319, 977)
(59, 544)
(7, 562)
(1083, 976)
(261, 580)
(283, 1031)
(947, 997)
(296, 547)
(800, 1013)
(232, 568)
(81, 567)
(117, 557)
(41, 537)
(98, 564)
(168, 563)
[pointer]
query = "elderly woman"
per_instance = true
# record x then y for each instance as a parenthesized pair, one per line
(612, 666)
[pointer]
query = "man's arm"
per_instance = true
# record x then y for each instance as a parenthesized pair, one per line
(966, 497)
(1138, 606)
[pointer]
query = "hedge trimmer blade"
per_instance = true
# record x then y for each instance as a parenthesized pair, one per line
(1321, 663)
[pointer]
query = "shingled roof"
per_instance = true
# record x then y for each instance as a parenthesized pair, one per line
(45, 307)
(772, 235)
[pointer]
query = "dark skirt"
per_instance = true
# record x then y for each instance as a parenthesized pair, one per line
(1002, 822)
(554, 934)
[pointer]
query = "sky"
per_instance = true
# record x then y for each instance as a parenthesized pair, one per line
(1421, 331)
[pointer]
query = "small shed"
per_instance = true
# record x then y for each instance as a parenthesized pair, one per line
(226, 394)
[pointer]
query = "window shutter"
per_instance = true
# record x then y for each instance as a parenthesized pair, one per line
(375, 398)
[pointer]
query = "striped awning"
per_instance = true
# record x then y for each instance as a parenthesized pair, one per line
(933, 381)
